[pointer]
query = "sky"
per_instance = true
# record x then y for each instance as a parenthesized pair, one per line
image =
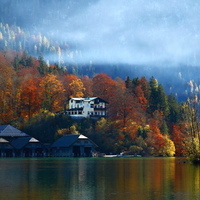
(135, 32)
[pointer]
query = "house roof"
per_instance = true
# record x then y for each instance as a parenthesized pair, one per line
(19, 143)
(81, 98)
(88, 99)
(68, 140)
(10, 131)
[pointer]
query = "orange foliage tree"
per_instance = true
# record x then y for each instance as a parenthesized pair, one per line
(51, 93)
(124, 111)
(160, 145)
(140, 88)
(66, 80)
(30, 101)
(7, 91)
(141, 96)
(87, 82)
(103, 86)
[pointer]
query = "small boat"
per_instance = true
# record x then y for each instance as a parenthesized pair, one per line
(110, 156)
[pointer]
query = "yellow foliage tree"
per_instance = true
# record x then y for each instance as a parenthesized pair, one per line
(73, 129)
(77, 88)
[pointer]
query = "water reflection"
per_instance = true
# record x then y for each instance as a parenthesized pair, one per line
(93, 179)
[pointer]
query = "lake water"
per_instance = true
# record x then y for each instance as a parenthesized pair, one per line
(98, 179)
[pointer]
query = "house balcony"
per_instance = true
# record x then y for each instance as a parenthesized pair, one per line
(98, 108)
(74, 111)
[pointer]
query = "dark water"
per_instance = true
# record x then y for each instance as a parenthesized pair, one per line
(98, 179)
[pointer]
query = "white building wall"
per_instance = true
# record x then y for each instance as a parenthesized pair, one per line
(88, 107)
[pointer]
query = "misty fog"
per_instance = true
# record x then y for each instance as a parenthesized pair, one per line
(135, 32)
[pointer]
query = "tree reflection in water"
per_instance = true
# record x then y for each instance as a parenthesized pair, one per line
(99, 178)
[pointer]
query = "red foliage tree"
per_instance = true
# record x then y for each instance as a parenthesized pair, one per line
(103, 86)
(178, 137)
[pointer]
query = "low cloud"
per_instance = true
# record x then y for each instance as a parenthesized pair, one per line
(137, 32)
(124, 31)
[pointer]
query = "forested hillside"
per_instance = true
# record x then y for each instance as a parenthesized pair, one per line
(142, 118)
(136, 55)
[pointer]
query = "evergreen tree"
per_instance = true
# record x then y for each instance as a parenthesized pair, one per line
(30, 61)
(153, 95)
(42, 67)
(162, 101)
(164, 128)
(128, 82)
(135, 82)
(16, 62)
(24, 60)
(174, 110)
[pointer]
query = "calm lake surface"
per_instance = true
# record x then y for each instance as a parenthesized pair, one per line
(98, 179)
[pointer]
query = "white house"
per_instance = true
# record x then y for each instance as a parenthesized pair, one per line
(93, 107)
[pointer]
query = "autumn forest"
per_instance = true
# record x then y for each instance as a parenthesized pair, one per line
(142, 118)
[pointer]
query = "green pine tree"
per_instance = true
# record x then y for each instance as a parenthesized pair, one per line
(153, 95)
(162, 101)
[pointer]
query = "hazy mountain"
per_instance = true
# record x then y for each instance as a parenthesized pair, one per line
(122, 38)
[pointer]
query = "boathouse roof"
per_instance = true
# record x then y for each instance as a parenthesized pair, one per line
(69, 140)
(21, 142)
(10, 131)
(2, 140)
